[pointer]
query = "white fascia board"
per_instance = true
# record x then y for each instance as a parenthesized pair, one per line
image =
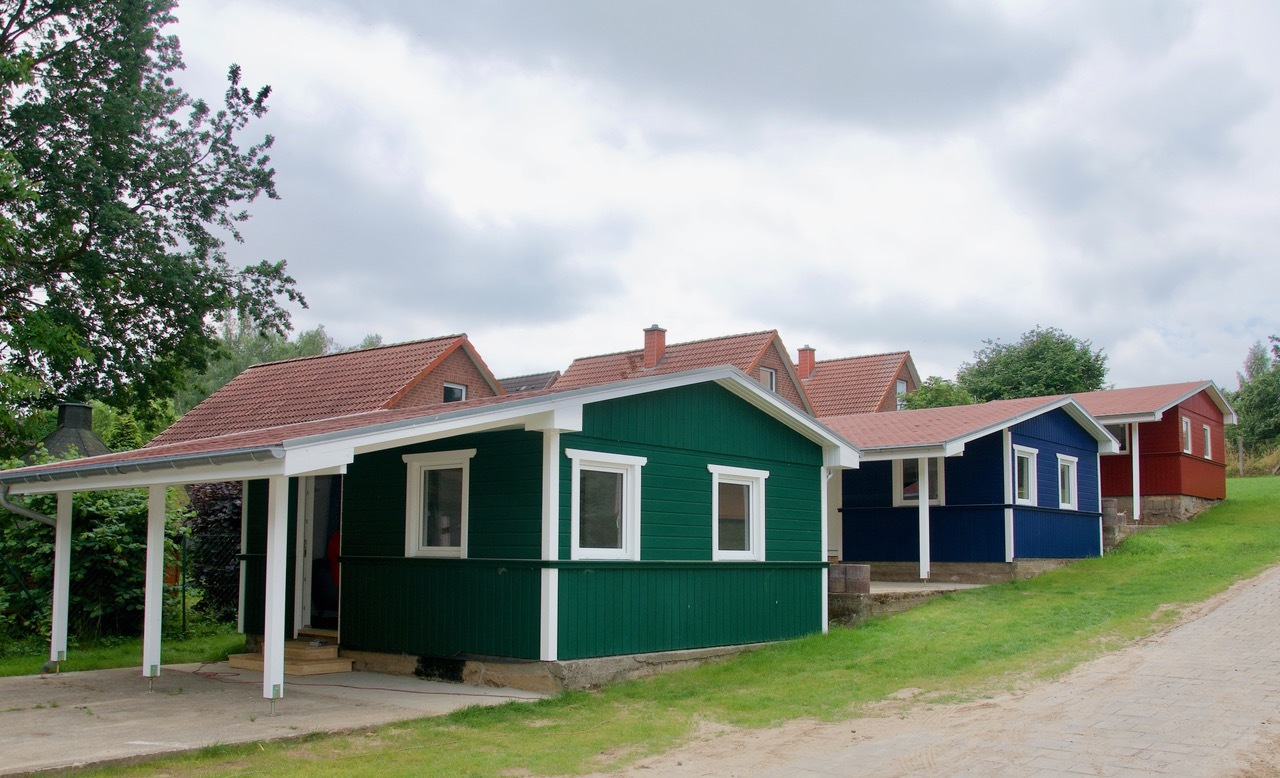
(565, 418)
(1107, 444)
(314, 460)
(1130, 418)
(889, 454)
(1215, 394)
(131, 475)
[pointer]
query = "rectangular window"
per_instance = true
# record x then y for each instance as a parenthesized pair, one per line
(604, 505)
(737, 513)
(906, 482)
(1208, 444)
(1024, 475)
(1186, 435)
(1121, 433)
(1067, 482)
(436, 497)
(769, 379)
(901, 389)
(455, 393)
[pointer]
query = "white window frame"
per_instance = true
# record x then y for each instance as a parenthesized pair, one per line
(900, 390)
(1073, 465)
(899, 500)
(1122, 438)
(460, 387)
(754, 481)
(769, 378)
(1186, 435)
(1208, 442)
(629, 467)
(1031, 455)
(418, 465)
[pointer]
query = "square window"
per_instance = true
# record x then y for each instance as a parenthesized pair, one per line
(1067, 482)
(906, 482)
(1208, 444)
(737, 513)
(769, 378)
(1186, 435)
(455, 393)
(604, 505)
(436, 498)
(1024, 475)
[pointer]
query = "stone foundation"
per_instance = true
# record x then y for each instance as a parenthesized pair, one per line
(966, 572)
(1156, 509)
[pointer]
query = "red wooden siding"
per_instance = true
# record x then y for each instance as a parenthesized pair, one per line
(1166, 469)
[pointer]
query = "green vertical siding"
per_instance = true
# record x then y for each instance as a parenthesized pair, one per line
(680, 432)
(438, 607)
(625, 608)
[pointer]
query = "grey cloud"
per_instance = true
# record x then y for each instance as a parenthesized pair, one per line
(918, 65)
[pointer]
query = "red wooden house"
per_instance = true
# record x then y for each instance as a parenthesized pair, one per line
(1172, 461)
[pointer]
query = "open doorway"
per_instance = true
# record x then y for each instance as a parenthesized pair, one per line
(320, 542)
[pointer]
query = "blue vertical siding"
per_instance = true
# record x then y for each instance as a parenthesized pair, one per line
(1039, 534)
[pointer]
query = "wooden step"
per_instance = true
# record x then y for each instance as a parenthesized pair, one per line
(300, 658)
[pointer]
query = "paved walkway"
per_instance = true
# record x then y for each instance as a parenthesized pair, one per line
(73, 719)
(1201, 699)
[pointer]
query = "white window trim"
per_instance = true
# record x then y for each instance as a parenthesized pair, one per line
(754, 479)
(1034, 480)
(769, 378)
(1186, 435)
(419, 464)
(629, 467)
(1208, 442)
(1074, 464)
(899, 501)
(460, 387)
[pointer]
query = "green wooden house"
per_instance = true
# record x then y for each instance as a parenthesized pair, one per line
(674, 511)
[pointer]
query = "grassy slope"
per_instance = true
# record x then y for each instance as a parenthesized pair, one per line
(963, 645)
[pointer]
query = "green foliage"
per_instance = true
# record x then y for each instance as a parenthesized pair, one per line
(1257, 401)
(241, 343)
(108, 555)
(1044, 361)
(213, 531)
(936, 392)
(957, 647)
(116, 192)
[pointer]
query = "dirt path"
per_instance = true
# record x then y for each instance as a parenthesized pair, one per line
(1201, 698)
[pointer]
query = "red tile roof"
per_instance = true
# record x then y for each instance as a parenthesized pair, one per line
(854, 384)
(931, 426)
(740, 351)
(1138, 399)
(291, 391)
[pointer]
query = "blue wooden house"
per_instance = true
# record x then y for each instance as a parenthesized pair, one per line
(996, 482)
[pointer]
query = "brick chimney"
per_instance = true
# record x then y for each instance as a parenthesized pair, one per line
(807, 355)
(655, 346)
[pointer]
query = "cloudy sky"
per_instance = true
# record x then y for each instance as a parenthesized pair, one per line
(551, 177)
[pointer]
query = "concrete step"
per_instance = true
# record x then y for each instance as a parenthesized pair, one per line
(300, 658)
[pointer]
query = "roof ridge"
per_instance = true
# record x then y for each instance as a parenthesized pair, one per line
(861, 356)
(357, 350)
(670, 346)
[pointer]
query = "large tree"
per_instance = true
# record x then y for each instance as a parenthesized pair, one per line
(936, 392)
(1257, 401)
(1044, 361)
(117, 191)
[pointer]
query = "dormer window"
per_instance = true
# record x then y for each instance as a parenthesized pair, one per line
(901, 389)
(769, 378)
(455, 393)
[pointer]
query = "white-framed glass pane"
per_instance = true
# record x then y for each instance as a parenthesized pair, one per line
(442, 508)
(734, 519)
(911, 480)
(1208, 444)
(1121, 433)
(454, 393)
(600, 522)
(1186, 435)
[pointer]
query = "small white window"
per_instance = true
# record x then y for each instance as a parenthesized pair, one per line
(737, 513)
(455, 393)
(1121, 433)
(901, 389)
(1208, 443)
(1067, 482)
(1186, 435)
(604, 505)
(769, 378)
(906, 482)
(1024, 475)
(436, 497)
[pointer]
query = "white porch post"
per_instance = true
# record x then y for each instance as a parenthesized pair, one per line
(1137, 488)
(549, 621)
(923, 485)
(61, 578)
(827, 475)
(153, 599)
(277, 564)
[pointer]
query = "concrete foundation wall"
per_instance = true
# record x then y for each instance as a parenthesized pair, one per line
(966, 572)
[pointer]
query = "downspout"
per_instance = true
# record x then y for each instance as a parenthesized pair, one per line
(22, 510)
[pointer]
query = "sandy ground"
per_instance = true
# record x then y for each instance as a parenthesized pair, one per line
(1201, 697)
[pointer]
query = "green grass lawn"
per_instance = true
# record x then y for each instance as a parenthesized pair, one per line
(212, 645)
(960, 646)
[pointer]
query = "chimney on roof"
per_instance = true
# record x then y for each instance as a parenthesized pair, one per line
(655, 346)
(807, 355)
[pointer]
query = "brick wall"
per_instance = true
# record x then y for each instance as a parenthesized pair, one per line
(457, 368)
(785, 388)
